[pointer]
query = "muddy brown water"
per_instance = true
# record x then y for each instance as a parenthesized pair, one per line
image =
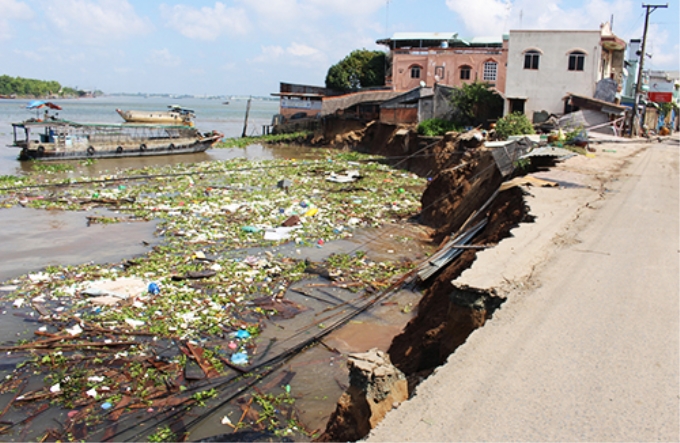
(33, 239)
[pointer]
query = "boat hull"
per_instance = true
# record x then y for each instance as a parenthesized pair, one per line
(114, 152)
(156, 117)
(64, 140)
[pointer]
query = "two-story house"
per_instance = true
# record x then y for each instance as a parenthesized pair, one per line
(547, 66)
(429, 58)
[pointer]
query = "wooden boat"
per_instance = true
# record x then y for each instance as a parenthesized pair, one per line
(175, 115)
(65, 140)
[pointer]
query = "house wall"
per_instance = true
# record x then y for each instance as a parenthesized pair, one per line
(447, 61)
(545, 88)
(399, 114)
(290, 106)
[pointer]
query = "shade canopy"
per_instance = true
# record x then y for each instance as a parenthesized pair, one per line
(37, 104)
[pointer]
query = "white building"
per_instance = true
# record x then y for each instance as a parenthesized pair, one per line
(545, 66)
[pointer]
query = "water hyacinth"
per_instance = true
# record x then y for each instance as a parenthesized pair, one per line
(216, 256)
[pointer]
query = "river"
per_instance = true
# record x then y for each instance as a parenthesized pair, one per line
(211, 114)
(39, 238)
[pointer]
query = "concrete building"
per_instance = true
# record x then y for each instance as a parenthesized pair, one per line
(429, 58)
(545, 66)
(301, 100)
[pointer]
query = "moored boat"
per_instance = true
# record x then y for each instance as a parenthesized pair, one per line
(64, 140)
(175, 115)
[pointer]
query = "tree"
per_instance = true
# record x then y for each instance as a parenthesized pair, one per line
(475, 104)
(360, 69)
(513, 124)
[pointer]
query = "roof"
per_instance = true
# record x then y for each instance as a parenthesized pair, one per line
(424, 36)
(331, 104)
(451, 37)
(596, 104)
(297, 94)
(485, 40)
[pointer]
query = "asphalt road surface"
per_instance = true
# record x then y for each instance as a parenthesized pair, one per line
(591, 352)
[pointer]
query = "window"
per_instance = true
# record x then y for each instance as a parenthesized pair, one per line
(415, 71)
(577, 60)
(439, 73)
(465, 73)
(490, 71)
(531, 59)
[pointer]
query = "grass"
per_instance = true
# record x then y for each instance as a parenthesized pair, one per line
(242, 142)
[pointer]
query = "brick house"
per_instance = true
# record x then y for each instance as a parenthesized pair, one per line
(429, 58)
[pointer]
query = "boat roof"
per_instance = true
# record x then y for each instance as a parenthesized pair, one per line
(37, 124)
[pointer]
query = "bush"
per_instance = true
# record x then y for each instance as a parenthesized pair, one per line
(436, 126)
(513, 124)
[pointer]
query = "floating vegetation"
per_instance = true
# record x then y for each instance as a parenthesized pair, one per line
(179, 327)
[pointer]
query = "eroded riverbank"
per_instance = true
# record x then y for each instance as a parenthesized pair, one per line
(261, 263)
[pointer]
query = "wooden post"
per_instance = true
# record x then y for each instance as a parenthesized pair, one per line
(245, 123)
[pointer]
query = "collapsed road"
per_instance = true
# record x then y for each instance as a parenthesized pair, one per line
(221, 367)
(585, 347)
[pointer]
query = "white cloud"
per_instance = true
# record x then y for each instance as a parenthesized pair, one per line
(206, 23)
(95, 22)
(269, 53)
(480, 16)
(10, 11)
(163, 57)
(30, 55)
(295, 52)
(300, 50)
(664, 54)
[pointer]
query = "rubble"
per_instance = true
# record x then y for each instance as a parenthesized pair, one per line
(375, 387)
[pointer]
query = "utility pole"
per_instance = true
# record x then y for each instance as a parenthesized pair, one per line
(638, 84)
(245, 123)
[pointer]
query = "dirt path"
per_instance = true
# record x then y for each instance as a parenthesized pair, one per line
(586, 347)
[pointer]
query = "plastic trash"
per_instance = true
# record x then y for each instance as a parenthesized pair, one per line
(242, 334)
(293, 220)
(134, 323)
(250, 229)
(312, 212)
(154, 289)
(106, 405)
(240, 358)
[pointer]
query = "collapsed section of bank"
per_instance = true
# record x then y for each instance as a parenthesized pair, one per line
(138, 373)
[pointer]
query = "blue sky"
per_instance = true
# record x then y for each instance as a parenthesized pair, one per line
(246, 47)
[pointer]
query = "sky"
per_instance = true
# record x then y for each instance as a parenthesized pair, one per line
(246, 47)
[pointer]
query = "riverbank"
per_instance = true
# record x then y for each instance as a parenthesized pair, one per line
(244, 245)
(585, 346)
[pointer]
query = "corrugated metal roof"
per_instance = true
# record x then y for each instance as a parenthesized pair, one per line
(486, 40)
(549, 151)
(425, 36)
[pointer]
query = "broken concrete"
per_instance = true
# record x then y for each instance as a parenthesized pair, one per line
(376, 387)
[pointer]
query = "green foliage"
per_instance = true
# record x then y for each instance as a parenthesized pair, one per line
(360, 69)
(475, 103)
(436, 126)
(27, 87)
(272, 138)
(513, 124)
(666, 108)
(163, 434)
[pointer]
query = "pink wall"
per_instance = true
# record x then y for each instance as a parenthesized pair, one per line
(451, 60)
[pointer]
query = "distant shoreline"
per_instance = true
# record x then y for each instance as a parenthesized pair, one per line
(47, 97)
